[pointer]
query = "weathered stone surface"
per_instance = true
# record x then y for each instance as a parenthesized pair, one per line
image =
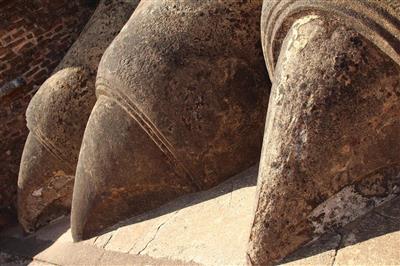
(9, 260)
(180, 239)
(376, 20)
(67, 253)
(373, 240)
(182, 95)
(194, 229)
(331, 145)
(57, 116)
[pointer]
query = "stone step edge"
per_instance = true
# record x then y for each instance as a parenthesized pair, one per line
(65, 253)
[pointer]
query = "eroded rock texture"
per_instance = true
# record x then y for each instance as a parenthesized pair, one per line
(182, 94)
(332, 141)
(57, 116)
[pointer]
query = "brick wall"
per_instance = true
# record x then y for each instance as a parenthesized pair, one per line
(34, 36)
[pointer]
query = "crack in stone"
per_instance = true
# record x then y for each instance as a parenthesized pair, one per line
(111, 235)
(103, 246)
(155, 234)
(340, 243)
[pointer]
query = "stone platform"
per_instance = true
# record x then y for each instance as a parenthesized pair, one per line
(206, 228)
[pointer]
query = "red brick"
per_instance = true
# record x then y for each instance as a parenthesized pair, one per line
(19, 33)
(24, 27)
(23, 47)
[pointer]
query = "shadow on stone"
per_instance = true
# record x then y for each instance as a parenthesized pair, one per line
(15, 242)
(382, 221)
(364, 237)
(247, 178)
(17, 245)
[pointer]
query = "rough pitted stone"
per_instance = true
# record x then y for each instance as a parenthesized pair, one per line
(376, 20)
(182, 94)
(331, 147)
(7, 259)
(57, 117)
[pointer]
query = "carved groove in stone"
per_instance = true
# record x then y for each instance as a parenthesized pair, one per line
(103, 88)
(333, 123)
(378, 21)
(57, 115)
(50, 147)
(182, 92)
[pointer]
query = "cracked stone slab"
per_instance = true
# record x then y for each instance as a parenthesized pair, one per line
(372, 240)
(81, 254)
(207, 228)
(320, 252)
(382, 250)
(154, 234)
(207, 218)
(103, 240)
(133, 238)
(212, 229)
(37, 252)
(191, 229)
